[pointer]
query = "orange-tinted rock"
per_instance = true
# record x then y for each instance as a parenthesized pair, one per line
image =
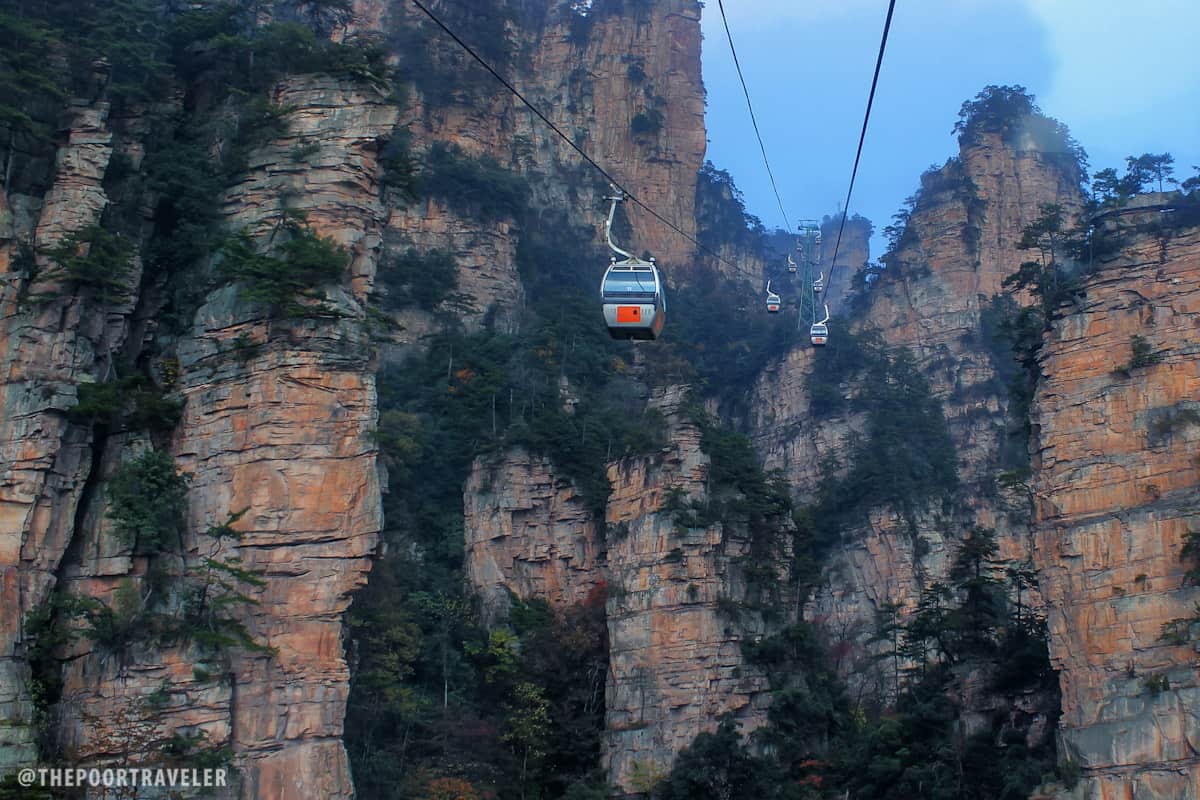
(675, 655)
(659, 167)
(45, 350)
(589, 89)
(1116, 490)
(528, 532)
(932, 306)
(284, 434)
(288, 435)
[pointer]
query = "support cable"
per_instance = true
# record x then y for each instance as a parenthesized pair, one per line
(753, 120)
(861, 138)
(582, 154)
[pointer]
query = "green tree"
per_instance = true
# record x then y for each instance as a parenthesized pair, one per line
(1150, 167)
(221, 583)
(496, 659)
(526, 725)
(1111, 191)
(1025, 658)
(565, 652)
(1048, 278)
(94, 261)
(423, 279)
(722, 214)
(401, 438)
(448, 615)
(1189, 554)
(927, 631)
(146, 501)
(286, 278)
(716, 766)
(981, 611)
(1012, 112)
(905, 457)
(30, 82)
(477, 186)
(1192, 183)
(888, 630)
(56, 48)
(996, 109)
(1022, 577)
(1142, 354)
(1180, 631)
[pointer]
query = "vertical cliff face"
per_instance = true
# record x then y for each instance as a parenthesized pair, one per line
(959, 243)
(854, 252)
(46, 351)
(1116, 451)
(527, 532)
(277, 415)
(637, 103)
(280, 431)
(674, 624)
(675, 654)
(963, 244)
(278, 418)
(625, 86)
(287, 435)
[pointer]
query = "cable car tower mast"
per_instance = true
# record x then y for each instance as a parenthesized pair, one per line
(808, 251)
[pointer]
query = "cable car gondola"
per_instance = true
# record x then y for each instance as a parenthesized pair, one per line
(819, 284)
(818, 334)
(634, 303)
(773, 301)
(631, 293)
(791, 265)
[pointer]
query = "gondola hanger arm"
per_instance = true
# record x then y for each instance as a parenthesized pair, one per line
(612, 210)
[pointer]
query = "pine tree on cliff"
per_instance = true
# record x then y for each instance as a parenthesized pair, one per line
(1049, 278)
(1151, 167)
(982, 608)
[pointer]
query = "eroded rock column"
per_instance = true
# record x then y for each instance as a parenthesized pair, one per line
(1116, 478)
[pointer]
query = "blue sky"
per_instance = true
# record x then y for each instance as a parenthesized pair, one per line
(1118, 74)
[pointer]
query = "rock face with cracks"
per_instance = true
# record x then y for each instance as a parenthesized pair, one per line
(961, 243)
(277, 420)
(675, 651)
(45, 350)
(282, 434)
(1117, 457)
(528, 533)
(277, 415)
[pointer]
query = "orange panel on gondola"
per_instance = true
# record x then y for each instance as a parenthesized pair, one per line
(629, 314)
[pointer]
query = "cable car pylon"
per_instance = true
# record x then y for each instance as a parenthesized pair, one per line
(808, 247)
